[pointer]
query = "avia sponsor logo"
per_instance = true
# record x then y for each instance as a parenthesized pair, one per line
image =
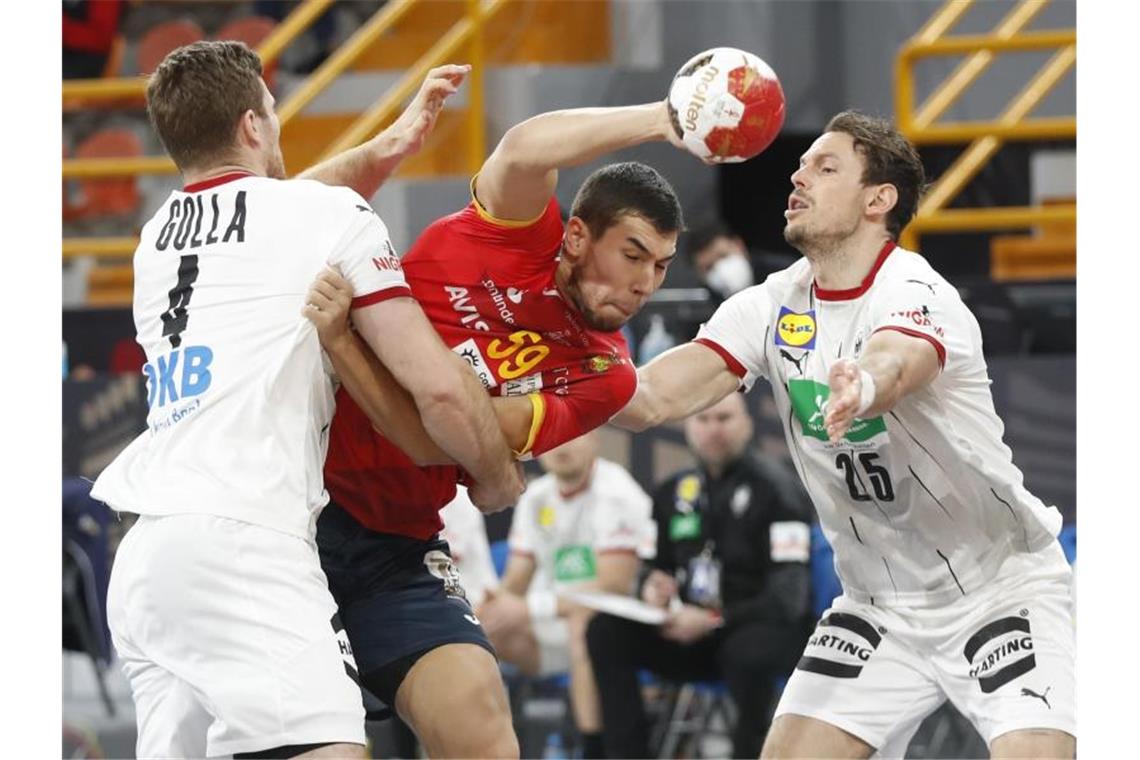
(500, 300)
(469, 316)
(840, 645)
(469, 351)
(795, 329)
(1000, 652)
(920, 317)
(522, 386)
(809, 404)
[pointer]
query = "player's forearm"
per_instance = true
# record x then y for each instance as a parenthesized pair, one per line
(388, 406)
(887, 370)
(680, 382)
(458, 415)
(576, 136)
(363, 168)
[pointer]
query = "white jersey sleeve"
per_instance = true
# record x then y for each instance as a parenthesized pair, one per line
(366, 259)
(623, 517)
(738, 332)
(522, 534)
(929, 308)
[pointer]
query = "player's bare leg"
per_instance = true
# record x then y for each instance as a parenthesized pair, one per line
(453, 699)
(583, 689)
(797, 736)
(520, 648)
(336, 750)
(1034, 743)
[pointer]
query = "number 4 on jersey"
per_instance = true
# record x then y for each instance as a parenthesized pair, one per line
(175, 317)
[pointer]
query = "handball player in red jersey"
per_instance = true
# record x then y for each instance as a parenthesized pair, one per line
(534, 307)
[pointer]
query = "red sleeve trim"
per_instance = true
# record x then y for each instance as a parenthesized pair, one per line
(733, 365)
(916, 334)
(394, 291)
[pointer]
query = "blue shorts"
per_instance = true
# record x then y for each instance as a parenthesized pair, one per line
(399, 598)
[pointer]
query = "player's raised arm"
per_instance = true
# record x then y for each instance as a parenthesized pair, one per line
(676, 384)
(893, 365)
(367, 166)
(519, 177)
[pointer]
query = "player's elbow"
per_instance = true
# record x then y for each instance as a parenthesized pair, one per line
(515, 150)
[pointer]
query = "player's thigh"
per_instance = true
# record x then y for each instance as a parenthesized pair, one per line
(453, 698)
(171, 721)
(1010, 667)
(1043, 743)
(858, 676)
(244, 616)
(793, 736)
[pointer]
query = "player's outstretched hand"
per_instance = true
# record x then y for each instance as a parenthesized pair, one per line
(414, 125)
(327, 305)
(846, 388)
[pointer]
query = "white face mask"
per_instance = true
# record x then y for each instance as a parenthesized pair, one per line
(730, 275)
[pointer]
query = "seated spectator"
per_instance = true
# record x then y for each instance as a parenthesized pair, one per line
(580, 527)
(724, 264)
(732, 567)
(89, 30)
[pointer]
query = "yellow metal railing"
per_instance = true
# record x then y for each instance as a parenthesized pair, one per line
(918, 122)
(467, 30)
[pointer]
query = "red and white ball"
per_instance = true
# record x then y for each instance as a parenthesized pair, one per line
(726, 104)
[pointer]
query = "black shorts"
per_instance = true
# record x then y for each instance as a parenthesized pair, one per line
(399, 598)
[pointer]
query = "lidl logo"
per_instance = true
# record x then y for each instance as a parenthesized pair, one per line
(546, 516)
(794, 329)
(688, 489)
(809, 403)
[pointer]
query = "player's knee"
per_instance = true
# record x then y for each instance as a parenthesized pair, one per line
(1035, 743)
(800, 736)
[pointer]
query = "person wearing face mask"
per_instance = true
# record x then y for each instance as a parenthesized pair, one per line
(723, 262)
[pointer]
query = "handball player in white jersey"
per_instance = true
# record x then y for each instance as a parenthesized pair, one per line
(218, 607)
(954, 585)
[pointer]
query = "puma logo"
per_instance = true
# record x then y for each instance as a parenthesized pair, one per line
(1031, 693)
(794, 360)
(927, 284)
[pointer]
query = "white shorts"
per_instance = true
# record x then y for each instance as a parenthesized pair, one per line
(229, 638)
(1004, 656)
(553, 637)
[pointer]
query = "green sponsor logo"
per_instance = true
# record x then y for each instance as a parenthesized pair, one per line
(808, 398)
(682, 527)
(574, 563)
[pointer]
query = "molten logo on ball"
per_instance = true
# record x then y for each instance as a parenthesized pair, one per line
(732, 104)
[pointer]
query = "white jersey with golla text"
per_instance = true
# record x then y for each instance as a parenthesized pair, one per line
(566, 534)
(923, 503)
(239, 395)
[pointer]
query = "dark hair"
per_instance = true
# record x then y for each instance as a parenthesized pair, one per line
(703, 235)
(197, 95)
(889, 158)
(624, 189)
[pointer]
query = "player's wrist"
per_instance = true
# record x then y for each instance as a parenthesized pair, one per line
(866, 392)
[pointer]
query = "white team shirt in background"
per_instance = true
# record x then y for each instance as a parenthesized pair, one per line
(239, 399)
(922, 504)
(465, 532)
(565, 535)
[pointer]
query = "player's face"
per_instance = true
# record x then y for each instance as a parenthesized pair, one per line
(271, 128)
(719, 434)
(613, 275)
(828, 198)
(572, 459)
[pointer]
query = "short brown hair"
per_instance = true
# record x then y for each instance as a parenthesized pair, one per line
(889, 158)
(626, 189)
(197, 95)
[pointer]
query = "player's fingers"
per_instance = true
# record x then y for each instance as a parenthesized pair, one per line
(333, 277)
(327, 291)
(454, 72)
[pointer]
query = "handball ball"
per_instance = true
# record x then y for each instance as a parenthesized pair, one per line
(726, 105)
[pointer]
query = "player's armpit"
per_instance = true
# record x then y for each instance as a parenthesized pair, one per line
(678, 383)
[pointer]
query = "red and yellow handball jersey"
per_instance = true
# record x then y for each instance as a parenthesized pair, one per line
(488, 288)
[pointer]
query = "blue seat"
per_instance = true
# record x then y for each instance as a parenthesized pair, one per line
(1068, 539)
(825, 584)
(499, 552)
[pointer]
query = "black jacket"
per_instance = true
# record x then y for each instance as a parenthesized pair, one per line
(759, 580)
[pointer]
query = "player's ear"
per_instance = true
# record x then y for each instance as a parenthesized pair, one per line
(576, 238)
(881, 199)
(249, 129)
